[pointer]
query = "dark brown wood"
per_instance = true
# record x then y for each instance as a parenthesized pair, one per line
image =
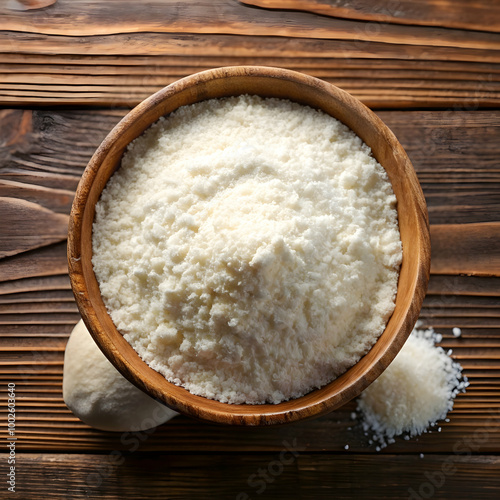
(81, 53)
(455, 156)
(46, 424)
(22, 285)
(466, 248)
(463, 285)
(478, 15)
(46, 262)
(25, 226)
(287, 473)
(222, 17)
(267, 82)
(55, 200)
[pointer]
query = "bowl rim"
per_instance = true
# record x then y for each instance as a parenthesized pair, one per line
(175, 397)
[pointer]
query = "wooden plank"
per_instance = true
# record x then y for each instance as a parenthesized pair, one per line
(48, 261)
(56, 200)
(53, 318)
(159, 49)
(287, 473)
(37, 297)
(457, 476)
(25, 226)
(455, 157)
(464, 301)
(180, 55)
(39, 284)
(51, 427)
(38, 307)
(32, 344)
(147, 477)
(477, 15)
(125, 81)
(100, 83)
(443, 285)
(34, 330)
(83, 18)
(386, 95)
(132, 68)
(466, 249)
(165, 40)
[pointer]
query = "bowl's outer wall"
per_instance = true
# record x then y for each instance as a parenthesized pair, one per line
(266, 82)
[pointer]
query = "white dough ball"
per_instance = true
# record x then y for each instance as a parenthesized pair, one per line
(97, 393)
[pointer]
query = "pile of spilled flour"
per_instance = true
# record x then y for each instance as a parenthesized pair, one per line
(414, 392)
(248, 249)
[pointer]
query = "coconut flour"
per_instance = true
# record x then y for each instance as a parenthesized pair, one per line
(248, 249)
(415, 392)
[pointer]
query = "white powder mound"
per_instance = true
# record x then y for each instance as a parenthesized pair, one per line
(248, 249)
(414, 392)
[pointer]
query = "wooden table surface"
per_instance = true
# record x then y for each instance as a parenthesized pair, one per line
(70, 70)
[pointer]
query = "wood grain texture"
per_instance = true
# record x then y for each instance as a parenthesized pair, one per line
(281, 475)
(467, 248)
(25, 226)
(44, 422)
(45, 262)
(102, 53)
(478, 15)
(456, 159)
(455, 155)
(221, 17)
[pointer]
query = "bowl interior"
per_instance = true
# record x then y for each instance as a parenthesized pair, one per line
(266, 82)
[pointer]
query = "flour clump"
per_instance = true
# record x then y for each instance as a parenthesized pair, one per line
(248, 249)
(415, 392)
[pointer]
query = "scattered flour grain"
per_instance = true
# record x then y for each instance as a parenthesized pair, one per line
(414, 392)
(248, 249)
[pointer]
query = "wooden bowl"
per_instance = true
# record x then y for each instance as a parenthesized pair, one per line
(266, 82)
